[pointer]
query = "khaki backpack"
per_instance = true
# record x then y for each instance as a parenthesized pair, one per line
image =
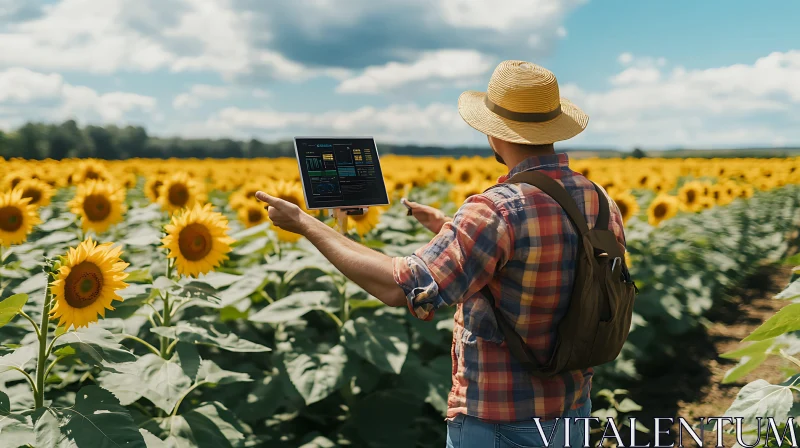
(598, 319)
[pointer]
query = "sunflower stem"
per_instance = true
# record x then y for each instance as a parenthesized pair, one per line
(40, 368)
(28, 377)
(143, 342)
(166, 317)
(53, 343)
(52, 364)
(186, 394)
(33, 322)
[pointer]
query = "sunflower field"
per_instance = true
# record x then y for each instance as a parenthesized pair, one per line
(150, 303)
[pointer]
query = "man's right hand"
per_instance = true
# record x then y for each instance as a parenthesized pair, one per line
(433, 219)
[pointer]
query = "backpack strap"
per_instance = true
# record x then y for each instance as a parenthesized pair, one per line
(603, 215)
(556, 191)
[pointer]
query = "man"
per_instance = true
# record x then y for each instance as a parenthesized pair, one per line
(515, 239)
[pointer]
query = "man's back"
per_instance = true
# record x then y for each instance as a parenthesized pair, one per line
(521, 242)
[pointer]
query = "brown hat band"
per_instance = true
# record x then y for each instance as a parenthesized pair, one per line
(525, 117)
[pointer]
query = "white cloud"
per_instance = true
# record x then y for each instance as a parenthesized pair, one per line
(511, 14)
(722, 106)
(54, 99)
(625, 58)
(199, 93)
(261, 93)
(448, 65)
(436, 123)
(22, 85)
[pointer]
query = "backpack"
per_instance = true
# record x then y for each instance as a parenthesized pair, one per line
(598, 319)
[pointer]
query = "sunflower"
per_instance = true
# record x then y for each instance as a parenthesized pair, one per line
(12, 179)
(196, 239)
(290, 191)
(17, 217)
(152, 187)
(86, 283)
(626, 202)
(663, 207)
(460, 193)
(100, 204)
(37, 190)
(690, 194)
(719, 194)
(180, 191)
(746, 191)
(252, 214)
(91, 170)
(362, 224)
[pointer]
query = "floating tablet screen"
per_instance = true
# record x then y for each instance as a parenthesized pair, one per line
(340, 172)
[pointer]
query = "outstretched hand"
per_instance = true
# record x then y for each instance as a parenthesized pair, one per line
(284, 214)
(432, 218)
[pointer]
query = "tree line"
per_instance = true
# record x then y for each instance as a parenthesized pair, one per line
(67, 140)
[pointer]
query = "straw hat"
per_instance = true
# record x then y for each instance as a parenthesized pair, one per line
(522, 105)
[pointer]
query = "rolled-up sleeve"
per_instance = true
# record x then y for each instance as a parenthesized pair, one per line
(459, 261)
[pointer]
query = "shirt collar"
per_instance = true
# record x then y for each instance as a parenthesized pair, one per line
(549, 161)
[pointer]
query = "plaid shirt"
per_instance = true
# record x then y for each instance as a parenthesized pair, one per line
(519, 241)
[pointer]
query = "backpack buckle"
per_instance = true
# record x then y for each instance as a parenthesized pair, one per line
(614, 263)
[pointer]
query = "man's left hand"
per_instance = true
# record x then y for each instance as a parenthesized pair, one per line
(284, 214)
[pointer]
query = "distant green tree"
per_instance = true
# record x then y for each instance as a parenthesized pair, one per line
(638, 154)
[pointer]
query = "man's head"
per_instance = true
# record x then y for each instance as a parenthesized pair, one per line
(514, 152)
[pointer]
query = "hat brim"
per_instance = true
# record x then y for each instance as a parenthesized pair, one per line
(571, 122)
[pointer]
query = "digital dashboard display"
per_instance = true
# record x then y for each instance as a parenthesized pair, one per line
(340, 172)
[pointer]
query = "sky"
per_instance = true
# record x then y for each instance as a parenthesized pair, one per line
(655, 74)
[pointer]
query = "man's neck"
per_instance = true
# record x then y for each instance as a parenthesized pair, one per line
(516, 157)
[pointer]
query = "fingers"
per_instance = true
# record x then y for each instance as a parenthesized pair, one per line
(411, 204)
(270, 200)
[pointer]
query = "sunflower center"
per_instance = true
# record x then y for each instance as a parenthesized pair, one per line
(32, 193)
(91, 174)
(83, 285)
(623, 208)
(195, 242)
(10, 219)
(178, 195)
(254, 215)
(97, 207)
(691, 195)
(660, 211)
(465, 176)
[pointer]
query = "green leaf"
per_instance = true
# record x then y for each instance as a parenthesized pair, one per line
(756, 348)
(381, 340)
(219, 280)
(142, 236)
(213, 374)
(200, 331)
(54, 224)
(375, 417)
(139, 276)
(628, 405)
(96, 346)
(318, 442)
(294, 306)
(243, 288)
(746, 365)
(20, 358)
(11, 306)
(160, 381)
(761, 399)
(150, 440)
(791, 292)
(316, 375)
(189, 358)
(97, 420)
(15, 430)
(784, 321)
(210, 425)
(33, 284)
